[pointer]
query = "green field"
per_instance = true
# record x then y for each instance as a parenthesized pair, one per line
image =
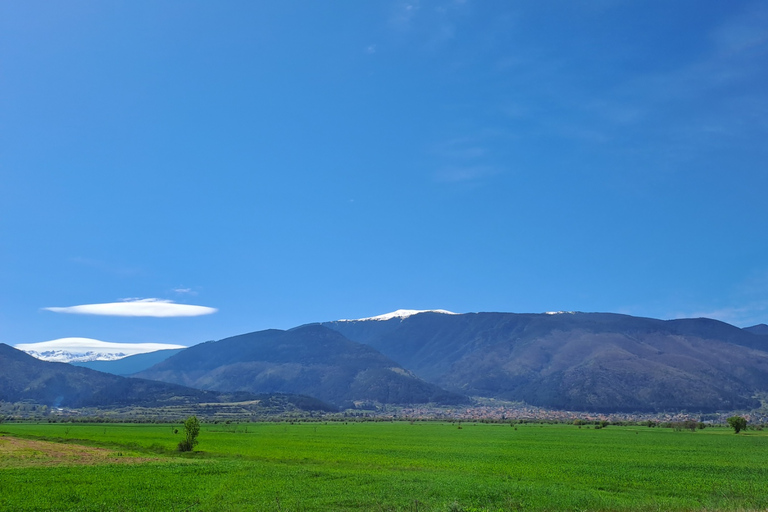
(380, 466)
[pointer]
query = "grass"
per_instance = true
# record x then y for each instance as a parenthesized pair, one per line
(389, 466)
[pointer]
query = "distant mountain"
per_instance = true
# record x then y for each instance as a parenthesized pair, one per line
(65, 356)
(579, 361)
(311, 360)
(562, 360)
(81, 350)
(760, 329)
(131, 364)
(25, 378)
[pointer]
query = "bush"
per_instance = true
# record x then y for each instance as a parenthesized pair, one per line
(191, 431)
(185, 446)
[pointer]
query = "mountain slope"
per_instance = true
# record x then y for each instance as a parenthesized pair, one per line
(582, 361)
(130, 364)
(311, 360)
(23, 377)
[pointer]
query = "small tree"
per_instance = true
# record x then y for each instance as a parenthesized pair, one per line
(691, 425)
(191, 430)
(737, 423)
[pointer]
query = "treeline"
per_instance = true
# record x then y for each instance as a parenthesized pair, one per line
(690, 425)
(288, 408)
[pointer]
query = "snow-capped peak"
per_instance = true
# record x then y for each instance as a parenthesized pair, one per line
(78, 350)
(65, 356)
(401, 314)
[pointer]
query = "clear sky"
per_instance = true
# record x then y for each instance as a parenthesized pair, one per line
(300, 161)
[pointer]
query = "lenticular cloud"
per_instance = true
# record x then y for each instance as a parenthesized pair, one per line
(137, 307)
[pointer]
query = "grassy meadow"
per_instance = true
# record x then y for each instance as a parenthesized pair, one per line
(380, 466)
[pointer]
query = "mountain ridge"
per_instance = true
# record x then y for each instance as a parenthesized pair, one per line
(760, 329)
(24, 378)
(578, 361)
(401, 314)
(309, 359)
(127, 366)
(599, 362)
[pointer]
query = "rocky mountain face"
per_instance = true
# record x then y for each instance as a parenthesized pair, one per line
(312, 360)
(579, 361)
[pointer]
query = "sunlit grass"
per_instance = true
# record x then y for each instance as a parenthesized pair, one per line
(398, 466)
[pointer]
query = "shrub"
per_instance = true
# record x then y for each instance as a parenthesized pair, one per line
(191, 431)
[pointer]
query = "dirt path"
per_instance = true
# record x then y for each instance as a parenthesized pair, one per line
(17, 452)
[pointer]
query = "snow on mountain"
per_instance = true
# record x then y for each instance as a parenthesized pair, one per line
(81, 350)
(401, 314)
(65, 356)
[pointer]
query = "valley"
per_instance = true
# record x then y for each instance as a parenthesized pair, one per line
(373, 466)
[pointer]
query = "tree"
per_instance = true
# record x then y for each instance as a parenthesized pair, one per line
(191, 430)
(691, 425)
(737, 423)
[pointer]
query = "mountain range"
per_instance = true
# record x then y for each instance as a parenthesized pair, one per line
(67, 356)
(578, 361)
(312, 360)
(84, 350)
(566, 360)
(24, 378)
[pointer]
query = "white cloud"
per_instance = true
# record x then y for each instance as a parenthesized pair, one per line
(137, 307)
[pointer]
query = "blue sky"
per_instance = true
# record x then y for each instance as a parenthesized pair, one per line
(291, 162)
